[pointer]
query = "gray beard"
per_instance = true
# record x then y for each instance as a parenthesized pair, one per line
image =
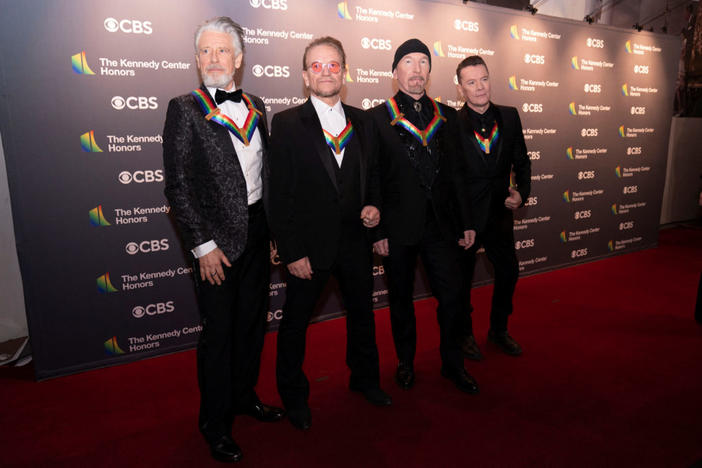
(212, 82)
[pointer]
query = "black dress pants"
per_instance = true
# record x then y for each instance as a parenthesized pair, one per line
(233, 317)
(440, 259)
(498, 240)
(353, 270)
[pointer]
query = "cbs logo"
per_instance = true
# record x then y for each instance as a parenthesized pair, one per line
(141, 177)
(524, 244)
(269, 4)
(526, 107)
(274, 315)
(578, 253)
(134, 102)
(128, 26)
(271, 71)
(586, 175)
(584, 214)
(147, 246)
(596, 43)
(532, 201)
(626, 225)
(593, 88)
(630, 189)
(153, 309)
(588, 132)
(638, 110)
(367, 103)
(462, 25)
(534, 155)
(535, 59)
(376, 44)
(633, 150)
(641, 69)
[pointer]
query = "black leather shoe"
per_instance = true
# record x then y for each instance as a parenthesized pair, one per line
(225, 450)
(264, 413)
(505, 342)
(301, 418)
(470, 348)
(374, 395)
(462, 380)
(404, 375)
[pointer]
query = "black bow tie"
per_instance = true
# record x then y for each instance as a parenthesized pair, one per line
(221, 96)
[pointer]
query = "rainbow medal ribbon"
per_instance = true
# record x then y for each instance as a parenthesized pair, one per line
(213, 113)
(486, 143)
(425, 135)
(338, 143)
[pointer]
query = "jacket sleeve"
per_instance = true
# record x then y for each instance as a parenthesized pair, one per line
(459, 172)
(521, 163)
(179, 178)
(283, 182)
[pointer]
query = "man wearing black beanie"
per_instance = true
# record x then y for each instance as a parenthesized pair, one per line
(425, 211)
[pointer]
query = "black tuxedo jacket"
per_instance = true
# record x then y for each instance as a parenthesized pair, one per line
(488, 188)
(204, 181)
(403, 198)
(304, 213)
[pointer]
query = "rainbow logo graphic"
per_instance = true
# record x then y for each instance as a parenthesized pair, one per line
(621, 131)
(438, 50)
(112, 348)
(514, 32)
(348, 75)
(614, 208)
(618, 171)
(342, 9)
(625, 90)
(511, 180)
(566, 196)
(574, 62)
(569, 153)
(571, 109)
(437, 98)
(513, 83)
(88, 144)
(564, 239)
(104, 284)
(627, 46)
(80, 64)
(97, 218)
(610, 246)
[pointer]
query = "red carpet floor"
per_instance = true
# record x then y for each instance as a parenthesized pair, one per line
(611, 376)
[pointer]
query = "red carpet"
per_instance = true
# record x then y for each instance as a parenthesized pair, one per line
(611, 376)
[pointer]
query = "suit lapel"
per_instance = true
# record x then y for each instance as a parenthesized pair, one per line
(503, 133)
(315, 135)
(223, 138)
(355, 147)
(465, 122)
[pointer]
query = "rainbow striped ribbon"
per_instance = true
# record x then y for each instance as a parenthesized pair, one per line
(425, 135)
(486, 143)
(338, 143)
(213, 113)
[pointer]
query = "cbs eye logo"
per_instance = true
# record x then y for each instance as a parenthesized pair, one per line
(128, 26)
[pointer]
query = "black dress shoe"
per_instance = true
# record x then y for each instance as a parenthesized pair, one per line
(374, 395)
(505, 342)
(404, 375)
(470, 348)
(301, 418)
(462, 380)
(225, 450)
(264, 413)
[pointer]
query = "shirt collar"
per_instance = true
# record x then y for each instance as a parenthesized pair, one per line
(321, 107)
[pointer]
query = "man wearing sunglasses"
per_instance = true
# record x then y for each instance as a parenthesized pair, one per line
(324, 195)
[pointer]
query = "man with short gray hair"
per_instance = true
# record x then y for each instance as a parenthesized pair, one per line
(214, 146)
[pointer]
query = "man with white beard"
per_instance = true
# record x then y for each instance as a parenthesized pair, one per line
(214, 152)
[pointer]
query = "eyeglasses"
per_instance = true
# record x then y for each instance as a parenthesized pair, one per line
(317, 67)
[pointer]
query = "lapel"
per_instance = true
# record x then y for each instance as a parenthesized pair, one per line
(355, 147)
(503, 133)
(468, 133)
(313, 128)
(224, 141)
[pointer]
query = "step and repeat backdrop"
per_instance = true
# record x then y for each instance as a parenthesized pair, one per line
(85, 86)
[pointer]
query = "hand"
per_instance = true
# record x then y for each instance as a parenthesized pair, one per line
(301, 268)
(370, 216)
(514, 200)
(381, 247)
(211, 266)
(468, 239)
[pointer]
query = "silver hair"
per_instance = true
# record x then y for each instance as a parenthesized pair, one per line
(223, 24)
